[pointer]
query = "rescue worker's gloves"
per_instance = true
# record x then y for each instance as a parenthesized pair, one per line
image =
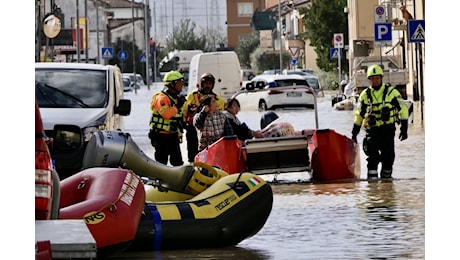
(403, 130)
(355, 132)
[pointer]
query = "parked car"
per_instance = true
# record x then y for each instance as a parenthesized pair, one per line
(127, 84)
(47, 189)
(247, 74)
(268, 92)
(140, 80)
(313, 81)
(132, 80)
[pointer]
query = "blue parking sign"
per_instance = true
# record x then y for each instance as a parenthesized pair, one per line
(382, 32)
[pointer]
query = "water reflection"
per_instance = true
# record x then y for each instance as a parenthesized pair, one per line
(353, 220)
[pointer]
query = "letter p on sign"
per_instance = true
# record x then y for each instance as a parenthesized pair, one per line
(382, 32)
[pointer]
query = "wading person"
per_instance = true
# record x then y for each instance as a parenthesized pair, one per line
(166, 124)
(380, 107)
(190, 108)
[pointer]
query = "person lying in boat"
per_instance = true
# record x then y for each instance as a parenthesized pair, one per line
(212, 124)
(273, 126)
(242, 131)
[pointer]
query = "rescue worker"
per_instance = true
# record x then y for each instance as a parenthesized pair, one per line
(190, 108)
(166, 124)
(380, 107)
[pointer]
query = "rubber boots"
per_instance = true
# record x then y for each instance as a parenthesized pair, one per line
(372, 174)
(385, 174)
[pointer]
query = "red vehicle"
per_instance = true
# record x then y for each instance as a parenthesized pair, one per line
(47, 191)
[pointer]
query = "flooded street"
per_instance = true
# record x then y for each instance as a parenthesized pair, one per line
(358, 220)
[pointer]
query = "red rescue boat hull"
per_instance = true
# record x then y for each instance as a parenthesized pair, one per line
(109, 200)
(331, 156)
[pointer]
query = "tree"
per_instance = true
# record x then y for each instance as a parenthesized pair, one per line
(183, 37)
(246, 45)
(321, 20)
(127, 65)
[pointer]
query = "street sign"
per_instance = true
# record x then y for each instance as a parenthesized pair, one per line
(142, 58)
(338, 40)
(416, 30)
(107, 52)
(379, 14)
(334, 53)
(294, 61)
(382, 32)
(294, 50)
(122, 55)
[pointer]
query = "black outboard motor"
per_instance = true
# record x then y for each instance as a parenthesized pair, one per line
(267, 118)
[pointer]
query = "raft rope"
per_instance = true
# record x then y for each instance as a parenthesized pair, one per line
(231, 187)
(111, 206)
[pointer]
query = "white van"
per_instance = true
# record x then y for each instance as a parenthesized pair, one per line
(224, 65)
(81, 98)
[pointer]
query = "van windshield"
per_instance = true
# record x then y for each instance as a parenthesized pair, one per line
(70, 88)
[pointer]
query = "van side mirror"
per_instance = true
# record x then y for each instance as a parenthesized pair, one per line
(123, 108)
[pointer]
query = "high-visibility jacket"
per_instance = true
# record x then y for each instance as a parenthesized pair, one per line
(379, 107)
(166, 116)
(193, 101)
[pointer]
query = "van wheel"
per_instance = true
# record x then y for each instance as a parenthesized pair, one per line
(262, 106)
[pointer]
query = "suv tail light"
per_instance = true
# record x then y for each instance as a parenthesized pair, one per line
(274, 92)
(43, 185)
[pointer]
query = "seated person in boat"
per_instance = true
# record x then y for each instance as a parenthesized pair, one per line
(273, 126)
(212, 124)
(232, 107)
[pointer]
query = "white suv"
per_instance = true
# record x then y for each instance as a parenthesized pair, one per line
(267, 92)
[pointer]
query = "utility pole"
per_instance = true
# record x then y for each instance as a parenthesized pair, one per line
(279, 34)
(147, 46)
(134, 54)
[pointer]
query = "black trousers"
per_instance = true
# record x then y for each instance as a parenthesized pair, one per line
(168, 147)
(381, 147)
(192, 142)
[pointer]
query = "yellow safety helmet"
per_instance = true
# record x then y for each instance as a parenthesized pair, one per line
(374, 70)
(171, 77)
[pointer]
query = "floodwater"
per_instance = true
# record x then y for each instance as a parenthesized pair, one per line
(357, 220)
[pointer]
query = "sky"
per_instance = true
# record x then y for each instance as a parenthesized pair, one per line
(442, 99)
(207, 14)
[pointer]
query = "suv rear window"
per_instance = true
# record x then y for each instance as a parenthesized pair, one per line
(70, 88)
(289, 82)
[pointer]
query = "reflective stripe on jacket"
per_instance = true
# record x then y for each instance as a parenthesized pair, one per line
(166, 117)
(193, 102)
(372, 105)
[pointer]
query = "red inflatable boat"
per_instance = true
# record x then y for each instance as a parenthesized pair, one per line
(109, 200)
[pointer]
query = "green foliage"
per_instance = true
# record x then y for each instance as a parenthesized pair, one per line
(268, 59)
(183, 37)
(322, 19)
(246, 45)
(127, 65)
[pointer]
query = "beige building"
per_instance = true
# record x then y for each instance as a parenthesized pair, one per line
(361, 20)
